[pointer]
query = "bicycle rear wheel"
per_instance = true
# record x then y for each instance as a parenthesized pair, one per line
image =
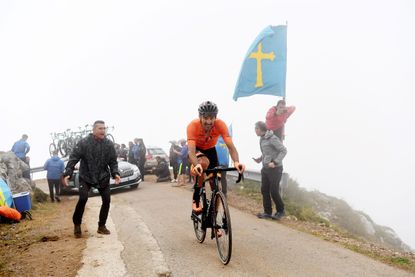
(199, 220)
(52, 148)
(222, 228)
(62, 148)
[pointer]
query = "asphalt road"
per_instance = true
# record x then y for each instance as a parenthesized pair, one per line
(156, 235)
(152, 235)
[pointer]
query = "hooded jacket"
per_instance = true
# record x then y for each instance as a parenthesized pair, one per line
(98, 161)
(54, 167)
(21, 148)
(272, 149)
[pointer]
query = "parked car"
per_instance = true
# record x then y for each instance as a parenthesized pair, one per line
(151, 162)
(129, 173)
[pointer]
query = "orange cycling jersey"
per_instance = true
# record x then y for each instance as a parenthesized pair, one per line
(196, 134)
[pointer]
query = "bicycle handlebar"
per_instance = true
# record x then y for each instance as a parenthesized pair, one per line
(220, 169)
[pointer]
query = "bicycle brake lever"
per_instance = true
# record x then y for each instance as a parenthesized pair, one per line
(240, 177)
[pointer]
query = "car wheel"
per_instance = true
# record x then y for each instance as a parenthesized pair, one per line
(93, 192)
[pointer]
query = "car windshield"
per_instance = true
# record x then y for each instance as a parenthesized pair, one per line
(156, 151)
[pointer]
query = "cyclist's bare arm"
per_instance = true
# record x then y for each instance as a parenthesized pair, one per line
(193, 159)
(234, 156)
(192, 154)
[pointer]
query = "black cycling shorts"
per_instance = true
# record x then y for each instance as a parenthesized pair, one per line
(211, 155)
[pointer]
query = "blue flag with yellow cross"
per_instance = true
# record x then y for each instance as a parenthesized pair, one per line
(265, 65)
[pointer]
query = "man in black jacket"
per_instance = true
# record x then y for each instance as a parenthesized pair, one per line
(162, 170)
(98, 165)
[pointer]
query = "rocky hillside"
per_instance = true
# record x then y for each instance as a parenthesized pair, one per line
(339, 213)
(13, 170)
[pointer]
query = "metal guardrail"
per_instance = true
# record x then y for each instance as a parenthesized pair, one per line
(248, 174)
(36, 169)
(256, 176)
(40, 168)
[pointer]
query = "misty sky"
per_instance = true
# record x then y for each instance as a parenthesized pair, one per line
(144, 67)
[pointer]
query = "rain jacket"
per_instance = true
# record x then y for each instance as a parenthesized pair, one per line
(98, 161)
(272, 149)
(21, 148)
(54, 167)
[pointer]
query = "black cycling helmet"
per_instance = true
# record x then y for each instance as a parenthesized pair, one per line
(208, 108)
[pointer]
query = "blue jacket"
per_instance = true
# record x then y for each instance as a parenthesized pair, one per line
(21, 148)
(55, 168)
(182, 158)
(136, 152)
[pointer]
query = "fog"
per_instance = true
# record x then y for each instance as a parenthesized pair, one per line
(144, 67)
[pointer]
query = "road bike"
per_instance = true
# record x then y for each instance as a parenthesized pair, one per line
(66, 145)
(65, 142)
(108, 135)
(215, 214)
(57, 141)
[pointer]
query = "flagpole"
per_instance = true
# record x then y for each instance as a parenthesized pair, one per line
(285, 95)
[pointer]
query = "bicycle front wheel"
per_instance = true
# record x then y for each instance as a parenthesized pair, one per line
(110, 137)
(222, 228)
(199, 220)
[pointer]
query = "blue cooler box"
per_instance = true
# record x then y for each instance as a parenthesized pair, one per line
(22, 201)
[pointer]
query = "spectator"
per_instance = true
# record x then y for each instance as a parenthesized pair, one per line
(117, 149)
(136, 152)
(54, 167)
(130, 152)
(174, 148)
(98, 164)
(123, 152)
(273, 152)
(182, 159)
(276, 118)
(21, 148)
(162, 170)
(142, 157)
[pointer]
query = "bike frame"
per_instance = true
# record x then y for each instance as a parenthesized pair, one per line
(209, 215)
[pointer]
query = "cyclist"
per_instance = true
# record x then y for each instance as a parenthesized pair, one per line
(202, 135)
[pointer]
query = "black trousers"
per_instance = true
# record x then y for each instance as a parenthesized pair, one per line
(270, 188)
(104, 191)
(175, 166)
(141, 168)
(54, 183)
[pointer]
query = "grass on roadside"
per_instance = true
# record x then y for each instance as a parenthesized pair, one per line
(301, 216)
(300, 211)
(17, 237)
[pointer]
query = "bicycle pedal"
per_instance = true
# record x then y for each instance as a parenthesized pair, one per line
(194, 216)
